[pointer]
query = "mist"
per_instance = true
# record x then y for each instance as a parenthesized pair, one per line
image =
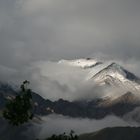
(58, 124)
(43, 127)
(53, 80)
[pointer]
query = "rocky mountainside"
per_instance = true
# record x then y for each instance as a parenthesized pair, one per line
(97, 108)
(112, 75)
(115, 75)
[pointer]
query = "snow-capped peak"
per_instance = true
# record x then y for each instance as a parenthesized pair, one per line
(113, 70)
(116, 71)
(83, 63)
(115, 75)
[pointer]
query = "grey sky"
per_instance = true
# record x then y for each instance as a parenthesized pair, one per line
(32, 30)
(42, 30)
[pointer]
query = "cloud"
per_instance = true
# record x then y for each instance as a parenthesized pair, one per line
(54, 80)
(57, 124)
(133, 115)
(32, 30)
(6, 71)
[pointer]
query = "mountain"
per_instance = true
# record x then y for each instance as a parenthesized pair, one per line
(118, 71)
(106, 74)
(97, 108)
(112, 75)
(116, 76)
(116, 133)
(126, 105)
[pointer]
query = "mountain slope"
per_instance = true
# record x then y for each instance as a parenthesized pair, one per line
(106, 74)
(97, 108)
(116, 76)
(116, 133)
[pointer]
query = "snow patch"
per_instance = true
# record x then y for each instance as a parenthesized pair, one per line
(83, 63)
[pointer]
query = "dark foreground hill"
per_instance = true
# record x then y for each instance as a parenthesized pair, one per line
(116, 133)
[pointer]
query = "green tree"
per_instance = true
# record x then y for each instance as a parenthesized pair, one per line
(19, 110)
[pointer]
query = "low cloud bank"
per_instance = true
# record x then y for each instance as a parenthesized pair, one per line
(57, 124)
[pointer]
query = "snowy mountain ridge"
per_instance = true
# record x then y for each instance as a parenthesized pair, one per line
(117, 71)
(115, 75)
(107, 74)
